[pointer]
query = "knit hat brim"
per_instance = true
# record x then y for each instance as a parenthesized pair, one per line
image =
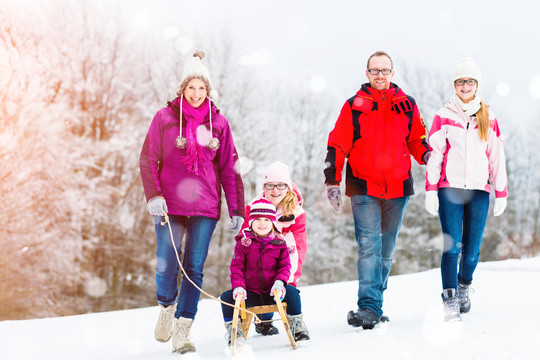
(262, 208)
(195, 69)
(467, 68)
(278, 172)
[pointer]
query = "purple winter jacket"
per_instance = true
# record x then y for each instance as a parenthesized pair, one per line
(164, 174)
(257, 264)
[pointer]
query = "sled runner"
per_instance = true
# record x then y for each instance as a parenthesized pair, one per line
(248, 317)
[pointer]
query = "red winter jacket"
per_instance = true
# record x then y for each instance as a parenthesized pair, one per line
(377, 130)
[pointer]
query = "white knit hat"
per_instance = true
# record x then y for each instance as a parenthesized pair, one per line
(467, 68)
(195, 69)
(278, 172)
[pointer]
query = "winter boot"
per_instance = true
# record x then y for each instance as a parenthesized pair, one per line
(463, 295)
(240, 336)
(384, 318)
(164, 325)
(298, 327)
(266, 328)
(180, 336)
(364, 318)
(451, 305)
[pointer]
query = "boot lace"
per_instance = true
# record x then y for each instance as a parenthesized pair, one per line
(297, 324)
(181, 330)
(451, 307)
(239, 332)
(463, 291)
(166, 315)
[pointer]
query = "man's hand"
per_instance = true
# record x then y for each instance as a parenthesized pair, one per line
(333, 192)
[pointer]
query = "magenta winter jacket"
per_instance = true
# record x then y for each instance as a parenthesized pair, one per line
(293, 230)
(257, 264)
(187, 194)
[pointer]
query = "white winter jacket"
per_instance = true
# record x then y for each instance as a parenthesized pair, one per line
(459, 159)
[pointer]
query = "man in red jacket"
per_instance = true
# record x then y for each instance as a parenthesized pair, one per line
(377, 131)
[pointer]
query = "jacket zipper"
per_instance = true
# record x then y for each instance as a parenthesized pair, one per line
(466, 155)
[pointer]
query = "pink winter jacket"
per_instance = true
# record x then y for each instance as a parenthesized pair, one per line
(257, 263)
(293, 230)
(164, 174)
(459, 159)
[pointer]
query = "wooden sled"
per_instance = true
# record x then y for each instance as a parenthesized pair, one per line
(248, 317)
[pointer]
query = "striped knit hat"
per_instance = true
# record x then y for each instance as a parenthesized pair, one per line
(262, 207)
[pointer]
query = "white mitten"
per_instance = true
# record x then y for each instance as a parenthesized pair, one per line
(500, 205)
(432, 202)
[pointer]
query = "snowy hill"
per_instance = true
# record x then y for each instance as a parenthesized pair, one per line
(503, 324)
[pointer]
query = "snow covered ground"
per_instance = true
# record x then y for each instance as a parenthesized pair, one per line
(503, 324)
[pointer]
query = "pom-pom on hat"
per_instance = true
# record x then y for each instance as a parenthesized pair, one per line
(467, 68)
(278, 172)
(195, 69)
(262, 208)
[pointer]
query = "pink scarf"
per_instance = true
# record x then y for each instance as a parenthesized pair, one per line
(194, 118)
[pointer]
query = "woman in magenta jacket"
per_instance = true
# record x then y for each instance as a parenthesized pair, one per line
(187, 157)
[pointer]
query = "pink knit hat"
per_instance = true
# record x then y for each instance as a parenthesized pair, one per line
(278, 172)
(262, 208)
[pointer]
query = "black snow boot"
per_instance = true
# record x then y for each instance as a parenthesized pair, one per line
(362, 317)
(463, 295)
(266, 329)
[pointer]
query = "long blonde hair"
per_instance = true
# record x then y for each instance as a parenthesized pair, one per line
(288, 204)
(482, 116)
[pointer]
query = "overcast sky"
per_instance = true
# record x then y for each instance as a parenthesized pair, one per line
(325, 44)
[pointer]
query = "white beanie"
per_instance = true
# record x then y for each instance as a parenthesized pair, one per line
(467, 68)
(195, 69)
(278, 172)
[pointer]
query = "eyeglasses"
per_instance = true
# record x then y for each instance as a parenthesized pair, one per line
(280, 186)
(469, 82)
(377, 71)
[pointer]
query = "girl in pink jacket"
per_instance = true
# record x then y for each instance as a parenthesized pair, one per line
(260, 266)
(291, 222)
(467, 158)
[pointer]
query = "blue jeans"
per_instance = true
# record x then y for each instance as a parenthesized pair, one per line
(463, 215)
(292, 298)
(376, 224)
(198, 231)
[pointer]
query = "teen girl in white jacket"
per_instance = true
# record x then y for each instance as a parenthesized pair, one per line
(467, 157)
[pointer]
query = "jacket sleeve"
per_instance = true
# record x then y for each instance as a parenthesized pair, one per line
(245, 224)
(437, 145)
(284, 270)
(298, 230)
(497, 161)
(151, 158)
(417, 141)
(229, 166)
(238, 266)
(340, 141)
